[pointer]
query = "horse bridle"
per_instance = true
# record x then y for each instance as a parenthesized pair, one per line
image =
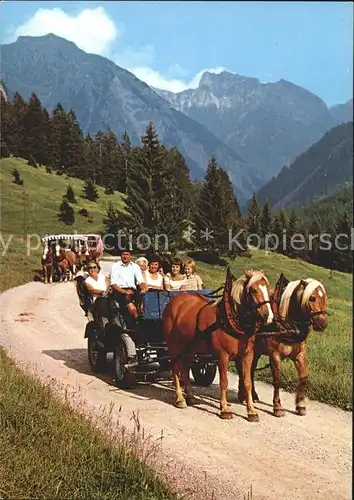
(310, 313)
(255, 305)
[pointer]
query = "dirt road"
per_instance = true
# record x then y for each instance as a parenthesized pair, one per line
(290, 458)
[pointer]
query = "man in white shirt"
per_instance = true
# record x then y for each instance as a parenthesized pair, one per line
(126, 277)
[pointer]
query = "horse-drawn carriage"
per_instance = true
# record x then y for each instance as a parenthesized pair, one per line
(109, 334)
(64, 254)
(189, 330)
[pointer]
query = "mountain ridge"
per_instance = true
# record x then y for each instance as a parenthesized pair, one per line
(269, 124)
(317, 173)
(105, 96)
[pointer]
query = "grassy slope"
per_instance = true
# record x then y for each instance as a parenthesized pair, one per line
(330, 352)
(32, 209)
(50, 451)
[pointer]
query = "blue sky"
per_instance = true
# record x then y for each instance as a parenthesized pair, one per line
(169, 44)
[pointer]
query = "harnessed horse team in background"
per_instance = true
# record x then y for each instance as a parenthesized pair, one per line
(63, 260)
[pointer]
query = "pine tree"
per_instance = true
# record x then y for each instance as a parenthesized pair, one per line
(18, 110)
(291, 230)
(92, 157)
(35, 130)
(218, 218)
(313, 246)
(125, 164)
(8, 128)
(109, 154)
(173, 198)
(66, 213)
(277, 230)
(342, 243)
(73, 156)
(151, 163)
(57, 123)
(137, 202)
(293, 223)
(90, 190)
(207, 220)
(17, 178)
(265, 220)
(253, 219)
(70, 195)
(229, 215)
(283, 219)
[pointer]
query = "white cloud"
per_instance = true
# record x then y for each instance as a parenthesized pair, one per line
(156, 79)
(92, 29)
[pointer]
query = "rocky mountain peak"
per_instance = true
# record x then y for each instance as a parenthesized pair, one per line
(226, 83)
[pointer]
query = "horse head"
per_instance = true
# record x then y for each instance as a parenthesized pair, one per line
(49, 254)
(251, 295)
(305, 300)
(314, 304)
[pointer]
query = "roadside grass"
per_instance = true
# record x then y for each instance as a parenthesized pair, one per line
(330, 354)
(32, 209)
(49, 450)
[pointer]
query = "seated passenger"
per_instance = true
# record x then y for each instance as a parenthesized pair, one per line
(174, 280)
(192, 280)
(152, 277)
(126, 280)
(142, 263)
(96, 282)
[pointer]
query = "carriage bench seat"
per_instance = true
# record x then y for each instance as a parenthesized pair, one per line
(155, 301)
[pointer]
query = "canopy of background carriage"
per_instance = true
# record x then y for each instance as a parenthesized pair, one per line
(78, 240)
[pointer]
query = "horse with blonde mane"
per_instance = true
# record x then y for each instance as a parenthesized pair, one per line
(224, 328)
(302, 303)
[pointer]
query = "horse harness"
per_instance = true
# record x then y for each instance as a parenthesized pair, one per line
(290, 333)
(227, 320)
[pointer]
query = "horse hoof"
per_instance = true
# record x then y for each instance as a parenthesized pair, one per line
(226, 415)
(301, 410)
(279, 413)
(190, 400)
(180, 404)
(253, 417)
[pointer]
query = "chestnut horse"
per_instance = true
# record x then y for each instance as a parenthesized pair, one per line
(225, 328)
(302, 303)
(48, 264)
(66, 262)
